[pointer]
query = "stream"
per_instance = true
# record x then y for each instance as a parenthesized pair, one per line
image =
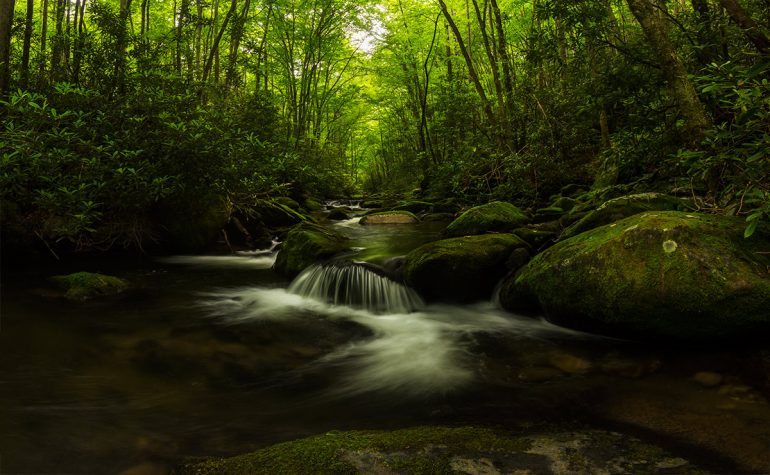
(218, 355)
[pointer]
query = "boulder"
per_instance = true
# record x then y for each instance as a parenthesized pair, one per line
(544, 215)
(460, 269)
(496, 216)
(623, 207)
(286, 201)
(307, 244)
(656, 275)
(338, 215)
(436, 449)
(535, 237)
(389, 217)
(87, 285)
(313, 205)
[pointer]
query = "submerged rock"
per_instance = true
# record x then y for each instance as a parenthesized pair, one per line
(623, 207)
(389, 217)
(460, 269)
(666, 274)
(452, 450)
(307, 244)
(87, 285)
(496, 216)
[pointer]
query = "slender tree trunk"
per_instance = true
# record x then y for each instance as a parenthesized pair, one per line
(448, 52)
(750, 28)
(27, 44)
(217, 39)
(706, 37)
(262, 53)
(655, 29)
(235, 44)
(56, 51)
(6, 21)
(502, 52)
(198, 36)
(469, 63)
(490, 55)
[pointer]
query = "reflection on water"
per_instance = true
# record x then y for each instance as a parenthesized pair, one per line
(212, 355)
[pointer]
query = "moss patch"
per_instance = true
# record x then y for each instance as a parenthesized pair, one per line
(460, 269)
(306, 244)
(87, 285)
(657, 274)
(444, 450)
(495, 216)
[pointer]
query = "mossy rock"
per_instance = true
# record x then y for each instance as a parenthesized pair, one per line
(444, 450)
(496, 216)
(307, 244)
(338, 215)
(623, 207)
(313, 205)
(389, 217)
(655, 275)
(535, 237)
(87, 285)
(564, 203)
(461, 269)
(190, 225)
(413, 206)
(551, 213)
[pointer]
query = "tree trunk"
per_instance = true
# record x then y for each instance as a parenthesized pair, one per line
(235, 44)
(27, 43)
(217, 39)
(43, 40)
(681, 88)
(490, 55)
(747, 24)
(6, 21)
(262, 52)
(469, 63)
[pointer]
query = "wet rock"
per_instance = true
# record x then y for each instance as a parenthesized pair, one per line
(629, 368)
(452, 450)
(460, 269)
(497, 216)
(623, 207)
(707, 379)
(570, 363)
(666, 274)
(338, 215)
(518, 259)
(307, 244)
(88, 285)
(389, 217)
(539, 374)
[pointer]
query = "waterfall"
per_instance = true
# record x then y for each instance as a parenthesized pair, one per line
(358, 285)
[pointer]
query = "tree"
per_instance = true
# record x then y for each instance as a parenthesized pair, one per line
(655, 28)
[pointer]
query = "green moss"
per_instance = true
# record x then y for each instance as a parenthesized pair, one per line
(389, 217)
(87, 285)
(460, 269)
(535, 237)
(494, 216)
(619, 208)
(663, 274)
(313, 205)
(405, 451)
(286, 201)
(275, 214)
(413, 206)
(306, 244)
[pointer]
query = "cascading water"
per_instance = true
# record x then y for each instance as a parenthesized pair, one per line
(357, 285)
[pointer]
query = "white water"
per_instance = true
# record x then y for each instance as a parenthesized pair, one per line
(415, 354)
(256, 259)
(355, 286)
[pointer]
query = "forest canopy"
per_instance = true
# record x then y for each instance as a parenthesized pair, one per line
(116, 111)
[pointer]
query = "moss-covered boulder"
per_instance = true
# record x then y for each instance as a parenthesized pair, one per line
(312, 204)
(338, 214)
(495, 216)
(286, 201)
(460, 269)
(306, 244)
(444, 450)
(550, 213)
(389, 217)
(622, 207)
(536, 238)
(662, 274)
(87, 285)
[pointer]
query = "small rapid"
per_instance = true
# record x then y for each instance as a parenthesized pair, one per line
(356, 285)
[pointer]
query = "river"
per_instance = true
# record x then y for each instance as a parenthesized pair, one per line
(218, 355)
